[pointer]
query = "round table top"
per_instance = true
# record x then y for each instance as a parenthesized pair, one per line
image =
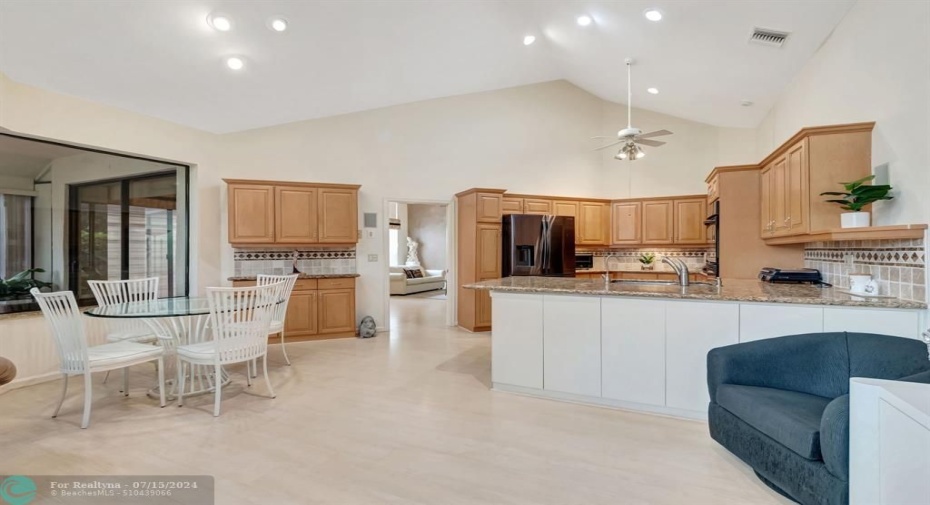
(179, 306)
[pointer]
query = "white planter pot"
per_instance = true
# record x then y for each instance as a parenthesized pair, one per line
(855, 219)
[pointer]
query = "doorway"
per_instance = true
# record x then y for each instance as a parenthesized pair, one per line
(419, 268)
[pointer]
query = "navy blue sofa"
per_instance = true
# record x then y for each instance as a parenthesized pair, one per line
(782, 404)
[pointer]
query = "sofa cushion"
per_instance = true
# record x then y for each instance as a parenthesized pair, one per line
(885, 357)
(409, 272)
(788, 417)
(834, 437)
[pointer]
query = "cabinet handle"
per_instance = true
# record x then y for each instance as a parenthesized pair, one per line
(788, 220)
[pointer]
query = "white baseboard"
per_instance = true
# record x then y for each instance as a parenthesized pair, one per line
(29, 381)
(602, 402)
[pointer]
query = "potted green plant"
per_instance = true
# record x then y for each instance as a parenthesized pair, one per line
(14, 292)
(647, 260)
(858, 194)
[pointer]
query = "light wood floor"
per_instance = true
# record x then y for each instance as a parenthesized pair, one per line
(404, 417)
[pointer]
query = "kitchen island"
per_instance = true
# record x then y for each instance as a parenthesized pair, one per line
(644, 347)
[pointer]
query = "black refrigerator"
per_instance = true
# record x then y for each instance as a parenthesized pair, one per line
(538, 245)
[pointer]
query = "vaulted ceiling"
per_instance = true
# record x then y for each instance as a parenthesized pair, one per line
(161, 58)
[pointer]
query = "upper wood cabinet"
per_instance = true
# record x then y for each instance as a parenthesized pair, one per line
(566, 208)
(658, 222)
(511, 205)
(489, 207)
(689, 221)
(251, 213)
(592, 225)
(295, 215)
(813, 161)
(627, 223)
(288, 213)
(537, 206)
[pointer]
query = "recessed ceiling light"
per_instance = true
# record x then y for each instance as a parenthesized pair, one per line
(235, 62)
(653, 91)
(653, 14)
(529, 39)
(220, 22)
(584, 20)
(277, 24)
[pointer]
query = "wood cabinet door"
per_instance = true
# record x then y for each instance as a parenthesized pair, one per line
(797, 207)
(627, 223)
(338, 216)
(565, 208)
(511, 205)
(658, 222)
(537, 206)
(766, 222)
(780, 196)
(489, 208)
(488, 249)
(295, 215)
(689, 221)
(482, 310)
(251, 214)
(337, 310)
(592, 225)
(302, 314)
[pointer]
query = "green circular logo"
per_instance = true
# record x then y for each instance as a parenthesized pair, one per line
(18, 490)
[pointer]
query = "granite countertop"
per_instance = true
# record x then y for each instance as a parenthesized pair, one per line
(732, 290)
(299, 276)
(631, 270)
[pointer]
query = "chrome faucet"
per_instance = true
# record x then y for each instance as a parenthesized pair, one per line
(607, 266)
(680, 268)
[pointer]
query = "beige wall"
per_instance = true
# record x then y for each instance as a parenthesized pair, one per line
(428, 227)
(874, 67)
(531, 139)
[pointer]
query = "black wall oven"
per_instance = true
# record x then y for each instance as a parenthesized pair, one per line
(712, 266)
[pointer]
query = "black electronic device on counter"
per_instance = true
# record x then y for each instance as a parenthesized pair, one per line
(799, 276)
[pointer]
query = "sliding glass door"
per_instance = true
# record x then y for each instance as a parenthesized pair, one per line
(127, 229)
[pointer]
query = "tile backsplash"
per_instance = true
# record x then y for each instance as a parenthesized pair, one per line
(628, 259)
(309, 260)
(899, 266)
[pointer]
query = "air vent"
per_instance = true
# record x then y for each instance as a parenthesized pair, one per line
(766, 37)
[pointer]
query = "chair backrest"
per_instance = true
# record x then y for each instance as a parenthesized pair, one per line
(132, 290)
(65, 320)
(240, 319)
(289, 281)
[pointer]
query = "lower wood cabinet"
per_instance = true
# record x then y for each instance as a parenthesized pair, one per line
(318, 309)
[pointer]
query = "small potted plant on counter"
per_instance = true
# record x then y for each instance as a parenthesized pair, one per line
(858, 194)
(647, 260)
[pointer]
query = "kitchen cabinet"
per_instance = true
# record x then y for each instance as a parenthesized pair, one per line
(658, 222)
(478, 238)
(511, 205)
(276, 213)
(566, 208)
(592, 223)
(318, 309)
(689, 221)
(251, 213)
(898, 323)
(537, 206)
(518, 340)
(295, 215)
(756, 320)
(572, 344)
(633, 350)
(691, 330)
(626, 223)
(813, 161)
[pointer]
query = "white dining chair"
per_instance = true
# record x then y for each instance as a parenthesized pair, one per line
(77, 358)
(239, 320)
(124, 291)
(280, 311)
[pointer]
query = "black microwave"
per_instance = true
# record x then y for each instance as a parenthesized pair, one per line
(584, 261)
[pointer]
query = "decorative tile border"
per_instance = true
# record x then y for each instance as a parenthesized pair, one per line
(898, 265)
(287, 254)
(311, 260)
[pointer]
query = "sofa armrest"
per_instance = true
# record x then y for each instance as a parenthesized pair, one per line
(397, 277)
(435, 273)
(834, 437)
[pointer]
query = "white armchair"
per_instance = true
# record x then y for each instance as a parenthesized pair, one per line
(431, 280)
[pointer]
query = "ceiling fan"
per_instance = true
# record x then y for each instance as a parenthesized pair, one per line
(632, 138)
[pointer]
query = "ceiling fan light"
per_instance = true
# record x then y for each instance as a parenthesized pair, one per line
(621, 154)
(638, 152)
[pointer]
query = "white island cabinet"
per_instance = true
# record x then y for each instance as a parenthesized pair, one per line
(647, 353)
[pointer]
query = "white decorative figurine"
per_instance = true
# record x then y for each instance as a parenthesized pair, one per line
(412, 258)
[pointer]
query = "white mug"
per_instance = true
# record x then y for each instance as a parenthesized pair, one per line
(863, 283)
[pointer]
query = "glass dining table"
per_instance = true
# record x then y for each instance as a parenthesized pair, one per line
(176, 321)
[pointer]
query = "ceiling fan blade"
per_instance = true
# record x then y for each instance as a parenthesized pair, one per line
(604, 137)
(651, 143)
(610, 145)
(657, 133)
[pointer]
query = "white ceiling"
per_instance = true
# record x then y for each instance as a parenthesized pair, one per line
(161, 59)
